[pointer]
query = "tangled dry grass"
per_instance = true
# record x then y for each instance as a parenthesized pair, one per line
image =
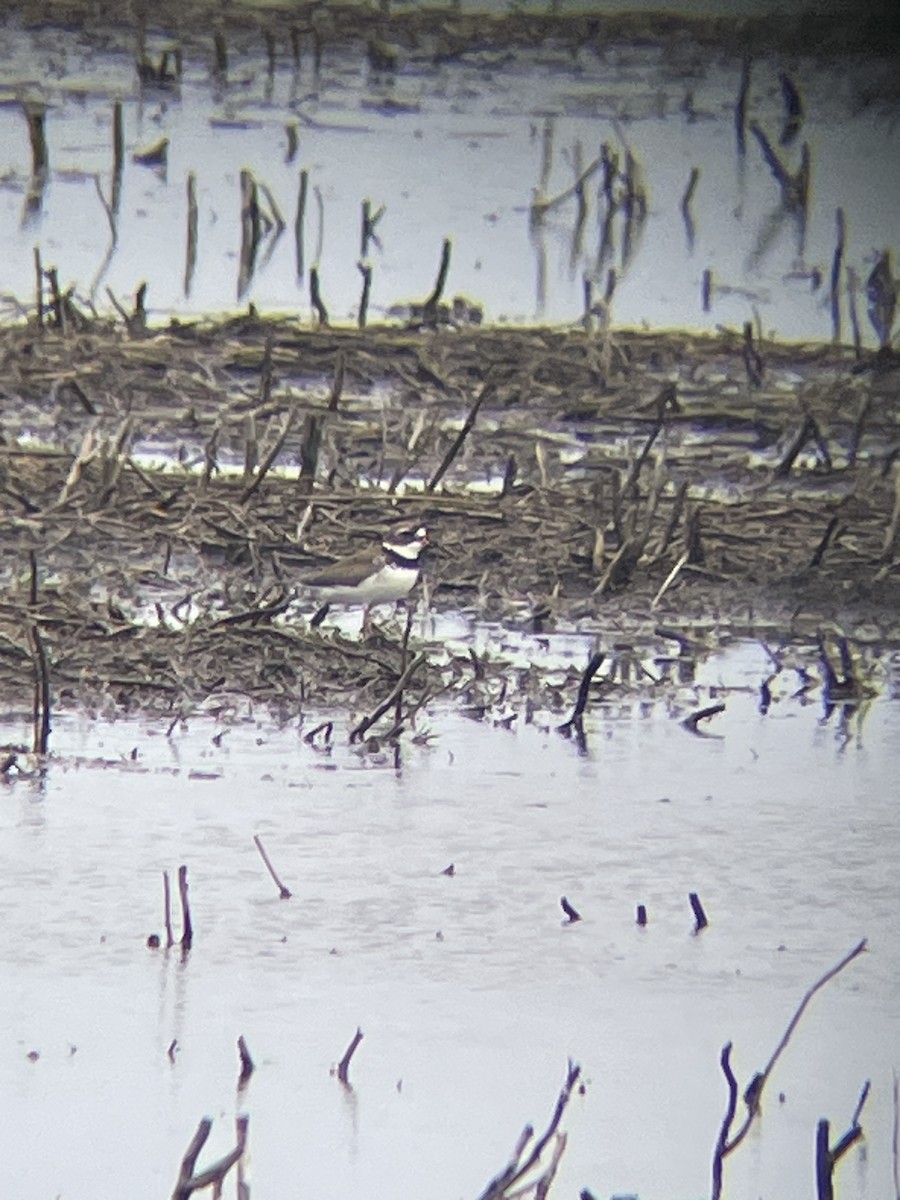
(161, 489)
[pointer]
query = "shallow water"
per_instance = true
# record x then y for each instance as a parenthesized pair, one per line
(452, 150)
(470, 991)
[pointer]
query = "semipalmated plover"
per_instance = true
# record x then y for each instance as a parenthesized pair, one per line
(370, 577)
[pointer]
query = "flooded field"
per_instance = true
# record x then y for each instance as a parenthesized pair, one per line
(607, 307)
(469, 989)
(449, 133)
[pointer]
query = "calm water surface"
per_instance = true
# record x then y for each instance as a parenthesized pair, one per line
(453, 150)
(470, 992)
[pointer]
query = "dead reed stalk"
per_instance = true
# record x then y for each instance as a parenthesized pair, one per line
(193, 223)
(299, 221)
(189, 1180)
(41, 714)
(283, 892)
(430, 308)
(187, 928)
(727, 1142)
(343, 1066)
(512, 1180)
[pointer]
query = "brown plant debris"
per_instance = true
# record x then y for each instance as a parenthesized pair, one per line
(157, 503)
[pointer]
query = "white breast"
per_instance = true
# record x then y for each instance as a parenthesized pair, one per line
(388, 584)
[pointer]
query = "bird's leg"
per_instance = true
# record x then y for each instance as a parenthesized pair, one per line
(319, 616)
(368, 627)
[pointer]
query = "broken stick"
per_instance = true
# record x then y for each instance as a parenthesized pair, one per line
(283, 892)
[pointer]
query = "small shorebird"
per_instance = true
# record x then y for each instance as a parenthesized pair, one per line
(369, 577)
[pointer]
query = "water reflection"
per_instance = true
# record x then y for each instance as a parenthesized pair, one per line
(457, 152)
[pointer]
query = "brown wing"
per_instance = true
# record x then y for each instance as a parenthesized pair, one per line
(344, 572)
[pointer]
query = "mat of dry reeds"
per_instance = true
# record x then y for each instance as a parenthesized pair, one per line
(452, 29)
(161, 490)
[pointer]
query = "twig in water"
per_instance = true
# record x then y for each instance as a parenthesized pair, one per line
(404, 658)
(315, 297)
(824, 1185)
(320, 227)
(187, 928)
(520, 1164)
(192, 230)
(895, 1135)
(183, 1186)
(41, 736)
(838, 687)
(118, 156)
(430, 308)
(836, 263)
(299, 221)
(828, 1156)
(367, 232)
(726, 1142)
(686, 214)
(167, 910)
(247, 1065)
(344, 1065)
(327, 728)
(574, 721)
(366, 271)
(293, 141)
(283, 892)
(367, 722)
(700, 918)
(188, 1182)
(706, 290)
(690, 722)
